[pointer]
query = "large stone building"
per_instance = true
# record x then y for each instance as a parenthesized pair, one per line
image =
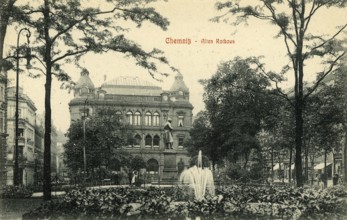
(26, 139)
(146, 107)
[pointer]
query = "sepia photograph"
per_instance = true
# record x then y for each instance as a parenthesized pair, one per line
(173, 109)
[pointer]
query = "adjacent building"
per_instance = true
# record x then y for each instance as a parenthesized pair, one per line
(146, 107)
(3, 109)
(26, 136)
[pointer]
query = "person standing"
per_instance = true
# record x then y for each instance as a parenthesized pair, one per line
(168, 134)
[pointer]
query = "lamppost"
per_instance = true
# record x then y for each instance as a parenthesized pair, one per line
(27, 56)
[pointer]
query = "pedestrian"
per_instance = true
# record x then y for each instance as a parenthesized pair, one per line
(133, 179)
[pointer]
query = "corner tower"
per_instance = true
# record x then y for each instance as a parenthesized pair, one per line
(84, 86)
(179, 91)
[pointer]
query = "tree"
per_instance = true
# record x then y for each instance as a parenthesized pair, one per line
(104, 135)
(238, 105)
(325, 115)
(341, 84)
(66, 30)
(293, 20)
(6, 8)
(202, 137)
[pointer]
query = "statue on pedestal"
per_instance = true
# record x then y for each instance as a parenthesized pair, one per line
(168, 138)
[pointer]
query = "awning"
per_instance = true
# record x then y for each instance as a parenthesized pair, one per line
(320, 166)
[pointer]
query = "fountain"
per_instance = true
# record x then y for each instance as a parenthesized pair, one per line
(199, 179)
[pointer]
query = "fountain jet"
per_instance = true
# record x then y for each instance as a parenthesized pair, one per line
(199, 179)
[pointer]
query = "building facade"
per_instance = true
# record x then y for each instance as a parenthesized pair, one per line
(147, 108)
(26, 139)
(3, 127)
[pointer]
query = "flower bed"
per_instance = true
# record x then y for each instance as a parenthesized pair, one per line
(16, 192)
(170, 202)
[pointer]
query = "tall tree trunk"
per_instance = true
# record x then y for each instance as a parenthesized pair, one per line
(306, 161)
(47, 185)
(299, 131)
(299, 96)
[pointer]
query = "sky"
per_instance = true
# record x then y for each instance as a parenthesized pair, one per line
(188, 20)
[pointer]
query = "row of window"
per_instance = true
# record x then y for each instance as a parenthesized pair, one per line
(150, 119)
(152, 141)
(135, 118)
(149, 141)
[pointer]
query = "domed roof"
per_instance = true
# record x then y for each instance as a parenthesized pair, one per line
(179, 84)
(128, 81)
(84, 81)
(126, 85)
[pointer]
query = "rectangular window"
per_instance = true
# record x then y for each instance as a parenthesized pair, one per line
(180, 141)
(20, 151)
(180, 121)
(21, 132)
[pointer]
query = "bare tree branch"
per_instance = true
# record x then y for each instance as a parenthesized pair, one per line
(331, 67)
(274, 16)
(70, 54)
(278, 89)
(330, 39)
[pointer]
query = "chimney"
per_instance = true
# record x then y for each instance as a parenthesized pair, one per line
(105, 78)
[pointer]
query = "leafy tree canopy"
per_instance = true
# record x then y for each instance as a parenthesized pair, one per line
(239, 104)
(104, 134)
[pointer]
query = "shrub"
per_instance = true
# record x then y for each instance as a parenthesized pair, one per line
(249, 201)
(16, 192)
(338, 190)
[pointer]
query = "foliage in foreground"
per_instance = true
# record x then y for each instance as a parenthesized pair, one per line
(172, 202)
(16, 192)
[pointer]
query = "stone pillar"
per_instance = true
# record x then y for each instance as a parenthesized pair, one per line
(170, 166)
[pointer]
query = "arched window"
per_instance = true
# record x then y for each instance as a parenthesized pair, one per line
(152, 166)
(156, 141)
(137, 118)
(156, 119)
(138, 140)
(119, 115)
(148, 140)
(148, 119)
(130, 117)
